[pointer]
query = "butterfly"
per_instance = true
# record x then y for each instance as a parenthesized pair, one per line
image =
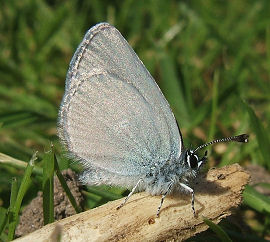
(115, 121)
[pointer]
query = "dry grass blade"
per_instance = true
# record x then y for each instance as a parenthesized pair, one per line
(6, 159)
(217, 193)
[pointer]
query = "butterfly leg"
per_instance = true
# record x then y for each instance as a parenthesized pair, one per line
(190, 190)
(162, 198)
(130, 194)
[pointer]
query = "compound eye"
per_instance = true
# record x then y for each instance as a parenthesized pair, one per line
(193, 161)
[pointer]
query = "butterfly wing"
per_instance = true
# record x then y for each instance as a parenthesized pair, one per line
(113, 115)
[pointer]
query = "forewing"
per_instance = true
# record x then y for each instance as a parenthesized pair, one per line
(113, 115)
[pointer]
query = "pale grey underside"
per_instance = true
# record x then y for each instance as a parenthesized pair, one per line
(113, 116)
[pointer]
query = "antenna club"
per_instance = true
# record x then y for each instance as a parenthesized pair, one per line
(242, 138)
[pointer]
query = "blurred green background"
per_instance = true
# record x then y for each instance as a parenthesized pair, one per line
(210, 58)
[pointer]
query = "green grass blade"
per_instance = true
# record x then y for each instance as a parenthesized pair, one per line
(256, 200)
(171, 88)
(14, 192)
(13, 198)
(48, 187)
(22, 190)
(214, 107)
(268, 48)
(3, 219)
(218, 230)
(3, 223)
(65, 186)
(261, 135)
(105, 194)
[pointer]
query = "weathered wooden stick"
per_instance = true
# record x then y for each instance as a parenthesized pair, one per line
(215, 195)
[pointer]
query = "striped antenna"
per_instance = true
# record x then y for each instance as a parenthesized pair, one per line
(243, 138)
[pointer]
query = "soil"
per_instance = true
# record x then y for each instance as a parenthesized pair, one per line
(31, 218)
(259, 175)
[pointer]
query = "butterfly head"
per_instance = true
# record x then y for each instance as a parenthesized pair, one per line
(193, 160)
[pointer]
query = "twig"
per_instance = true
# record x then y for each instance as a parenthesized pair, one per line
(216, 194)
